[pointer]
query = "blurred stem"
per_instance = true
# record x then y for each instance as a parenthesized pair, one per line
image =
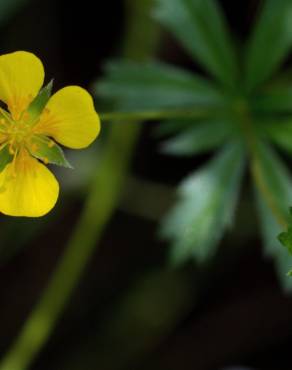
(156, 115)
(140, 42)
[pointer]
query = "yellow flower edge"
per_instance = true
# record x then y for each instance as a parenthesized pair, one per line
(27, 187)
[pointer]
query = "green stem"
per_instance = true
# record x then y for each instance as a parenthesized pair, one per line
(99, 206)
(155, 115)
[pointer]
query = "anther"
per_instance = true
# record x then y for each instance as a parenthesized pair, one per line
(46, 161)
(51, 144)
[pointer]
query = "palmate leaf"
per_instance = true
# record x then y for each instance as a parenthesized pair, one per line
(278, 131)
(278, 186)
(200, 27)
(201, 137)
(270, 230)
(270, 41)
(205, 207)
(274, 101)
(276, 177)
(155, 85)
(174, 126)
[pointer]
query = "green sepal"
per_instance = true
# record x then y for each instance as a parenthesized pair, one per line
(38, 104)
(48, 151)
(5, 158)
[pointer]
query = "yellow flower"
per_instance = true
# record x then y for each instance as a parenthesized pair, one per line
(28, 134)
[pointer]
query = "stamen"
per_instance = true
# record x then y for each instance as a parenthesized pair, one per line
(51, 143)
(46, 161)
(11, 149)
(14, 164)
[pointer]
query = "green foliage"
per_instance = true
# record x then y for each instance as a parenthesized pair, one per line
(200, 27)
(155, 85)
(277, 180)
(279, 132)
(199, 138)
(270, 42)
(276, 100)
(286, 239)
(278, 183)
(245, 113)
(205, 206)
(9, 7)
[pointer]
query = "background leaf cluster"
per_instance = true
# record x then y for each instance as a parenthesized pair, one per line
(242, 109)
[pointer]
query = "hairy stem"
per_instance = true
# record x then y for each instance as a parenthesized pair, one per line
(140, 42)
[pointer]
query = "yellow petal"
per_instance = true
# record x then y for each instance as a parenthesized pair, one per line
(70, 118)
(21, 77)
(27, 188)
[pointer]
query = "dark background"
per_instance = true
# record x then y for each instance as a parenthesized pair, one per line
(131, 311)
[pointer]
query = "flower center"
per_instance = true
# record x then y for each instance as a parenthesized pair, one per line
(18, 132)
(15, 133)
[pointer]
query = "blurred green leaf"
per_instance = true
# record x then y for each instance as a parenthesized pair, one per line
(286, 239)
(270, 41)
(9, 7)
(278, 184)
(205, 207)
(270, 230)
(279, 132)
(155, 85)
(200, 26)
(276, 177)
(200, 138)
(276, 100)
(169, 127)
